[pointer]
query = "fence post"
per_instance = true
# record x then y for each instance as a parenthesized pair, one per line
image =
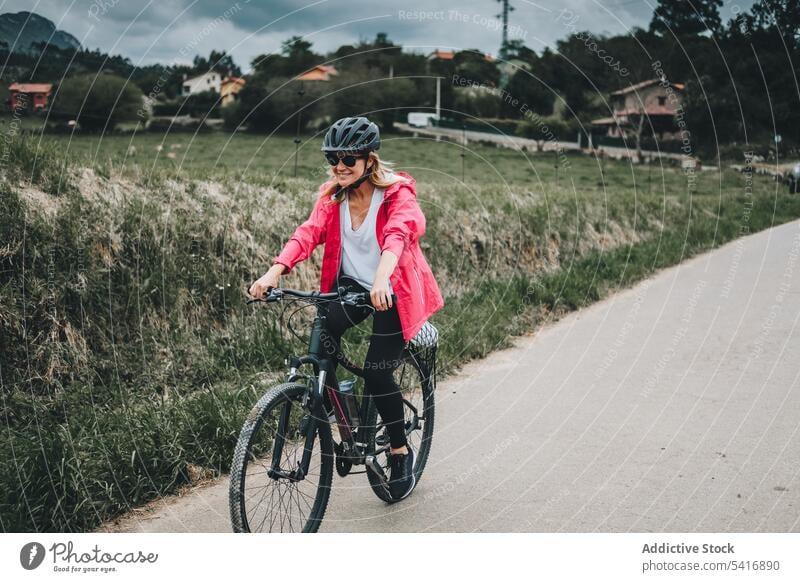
(463, 149)
(300, 94)
(556, 163)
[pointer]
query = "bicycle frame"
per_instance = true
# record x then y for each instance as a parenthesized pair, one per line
(322, 365)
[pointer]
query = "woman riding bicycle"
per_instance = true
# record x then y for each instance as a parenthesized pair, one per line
(370, 221)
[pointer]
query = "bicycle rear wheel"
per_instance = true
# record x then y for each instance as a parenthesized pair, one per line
(417, 388)
(265, 494)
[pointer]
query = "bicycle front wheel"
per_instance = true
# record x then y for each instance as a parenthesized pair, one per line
(268, 490)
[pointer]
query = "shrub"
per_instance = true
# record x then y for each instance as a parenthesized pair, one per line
(97, 102)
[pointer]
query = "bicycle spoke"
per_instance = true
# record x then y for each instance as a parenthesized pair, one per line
(272, 492)
(289, 506)
(297, 500)
(256, 506)
(306, 495)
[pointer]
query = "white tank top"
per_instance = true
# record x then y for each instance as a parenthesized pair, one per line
(360, 251)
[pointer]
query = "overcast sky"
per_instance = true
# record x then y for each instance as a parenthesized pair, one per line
(173, 31)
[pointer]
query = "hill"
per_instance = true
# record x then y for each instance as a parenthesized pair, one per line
(21, 31)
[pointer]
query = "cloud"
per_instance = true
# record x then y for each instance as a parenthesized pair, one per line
(155, 31)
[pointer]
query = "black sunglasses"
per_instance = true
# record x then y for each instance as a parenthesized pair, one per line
(348, 159)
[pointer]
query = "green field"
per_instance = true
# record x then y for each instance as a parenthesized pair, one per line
(249, 157)
(128, 356)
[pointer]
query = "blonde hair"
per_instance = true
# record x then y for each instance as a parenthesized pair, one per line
(381, 177)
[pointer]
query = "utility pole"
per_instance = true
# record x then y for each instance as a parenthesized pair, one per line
(504, 15)
(300, 94)
(463, 149)
(504, 72)
(438, 105)
(438, 97)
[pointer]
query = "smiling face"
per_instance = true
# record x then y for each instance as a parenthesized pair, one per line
(345, 176)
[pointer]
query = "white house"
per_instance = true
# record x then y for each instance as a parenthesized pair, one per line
(207, 81)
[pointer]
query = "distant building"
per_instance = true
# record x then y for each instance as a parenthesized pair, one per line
(210, 81)
(450, 55)
(444, 55)
(318, 73)
(659, 101)
(29, 96)
(229, 89)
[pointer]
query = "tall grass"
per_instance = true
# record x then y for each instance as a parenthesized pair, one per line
(128, 354)
(25, 160)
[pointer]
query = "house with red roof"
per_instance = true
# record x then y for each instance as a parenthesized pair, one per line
(229, 89)
(659, 100)
(29, 96)
(450, 55)
(318, 73)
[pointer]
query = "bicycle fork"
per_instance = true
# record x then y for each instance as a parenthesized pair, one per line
(307, 428)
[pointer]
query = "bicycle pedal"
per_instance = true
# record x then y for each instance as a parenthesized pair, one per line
(372, 464)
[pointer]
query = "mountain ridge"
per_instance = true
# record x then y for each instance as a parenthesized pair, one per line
(20, 30)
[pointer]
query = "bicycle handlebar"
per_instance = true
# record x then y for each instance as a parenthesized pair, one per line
(355, 298)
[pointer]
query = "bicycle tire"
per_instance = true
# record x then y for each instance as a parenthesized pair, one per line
(280, 395)
(422, 449)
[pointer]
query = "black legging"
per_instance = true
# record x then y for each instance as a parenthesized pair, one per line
(383, 356)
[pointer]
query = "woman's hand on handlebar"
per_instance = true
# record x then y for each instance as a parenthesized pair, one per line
(380, 296)
(267, 281)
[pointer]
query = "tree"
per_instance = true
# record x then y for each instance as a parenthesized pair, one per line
(771, 31)
(783, 15)
(712, 112)
(202, 104)
(686, 17)
(382, 40)
(274, 104)
(542, 129)
(516, 49)
(380, 53)
(218, 61)
(529, 90)
(296, 57)
(473, 65)
(477, 102)
(366, 92)
(634, 128)
(97, 102)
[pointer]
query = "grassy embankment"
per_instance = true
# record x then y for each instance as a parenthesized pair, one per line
(128, 357)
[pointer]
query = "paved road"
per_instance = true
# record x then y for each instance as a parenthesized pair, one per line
(672, 406)
(515, 142)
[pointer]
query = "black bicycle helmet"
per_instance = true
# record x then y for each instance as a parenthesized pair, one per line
(352, 134)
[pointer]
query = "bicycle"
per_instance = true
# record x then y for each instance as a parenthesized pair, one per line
(275, 457)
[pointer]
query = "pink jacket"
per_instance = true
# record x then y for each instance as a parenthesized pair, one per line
(400, 224)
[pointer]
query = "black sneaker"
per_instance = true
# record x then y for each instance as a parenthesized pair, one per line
(401, 479)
